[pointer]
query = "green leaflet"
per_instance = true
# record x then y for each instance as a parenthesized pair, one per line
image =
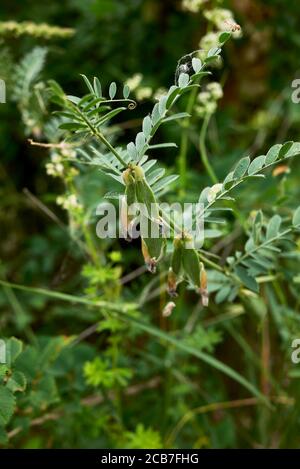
(7, 407)
(296, 217)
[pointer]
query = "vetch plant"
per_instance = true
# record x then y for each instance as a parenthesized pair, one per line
(86, 118)
(142, 341)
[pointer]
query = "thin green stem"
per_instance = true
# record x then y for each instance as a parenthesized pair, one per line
(110, 147)
(211, 264)
(101, 137)
(224, 193)
(203, 151)
(182, 158)
(105, 305)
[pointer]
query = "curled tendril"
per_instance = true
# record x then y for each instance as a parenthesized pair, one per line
(131, 104)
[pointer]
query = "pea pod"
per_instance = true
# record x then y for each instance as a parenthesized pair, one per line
(177, 256)
(152, 250)
(130, 186)
(127, 202)
(191, 263)
(172, 283)
(145, 195)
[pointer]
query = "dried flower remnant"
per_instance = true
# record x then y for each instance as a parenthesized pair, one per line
(150, 262)
(168, 309)
(203, 286)
(282, 169)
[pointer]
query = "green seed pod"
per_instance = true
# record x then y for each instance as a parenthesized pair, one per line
(172, 283)
(155, 246)
(145, 195)
(152, 250)
(191, 264)
(153, 241)
(130, 190)
(129, 201)
(177, 256)
(130, 194)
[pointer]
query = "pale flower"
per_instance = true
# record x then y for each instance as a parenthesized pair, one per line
(209, 41)
(143, 93)
(55, 169)
(215, 89)
(69, 202)
(219, 17)
(135, 81)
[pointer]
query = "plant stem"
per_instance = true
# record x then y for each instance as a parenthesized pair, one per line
(265, 378)
(101, 137)
(182, 158)
(110, 147)
(203, 152)
(212, 407)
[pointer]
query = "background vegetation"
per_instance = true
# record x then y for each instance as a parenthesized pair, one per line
(93, 361)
